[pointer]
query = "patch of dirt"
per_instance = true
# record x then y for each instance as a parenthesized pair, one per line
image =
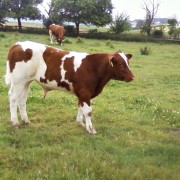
(176, 132)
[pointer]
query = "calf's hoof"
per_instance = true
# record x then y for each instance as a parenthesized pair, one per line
(92, 131)
(81, 124)
(16, 126)
(26, 122)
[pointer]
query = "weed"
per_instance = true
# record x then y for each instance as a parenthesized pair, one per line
(79, 40)
(109, 43)
(145, 51)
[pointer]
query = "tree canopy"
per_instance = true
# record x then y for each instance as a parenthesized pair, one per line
(96, 12)
(121, 23)
(4, 9)
(24, 9)
(151, 9)
(173, 30)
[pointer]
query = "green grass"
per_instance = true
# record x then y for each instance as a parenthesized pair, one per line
(138, 123)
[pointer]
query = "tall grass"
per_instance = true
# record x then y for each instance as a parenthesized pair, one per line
(137, 123)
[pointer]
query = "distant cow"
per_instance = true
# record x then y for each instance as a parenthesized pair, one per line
(57, 32)
(83, 74)
(1, 24)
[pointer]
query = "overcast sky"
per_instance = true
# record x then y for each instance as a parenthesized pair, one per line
(167, 8)
(133, 8)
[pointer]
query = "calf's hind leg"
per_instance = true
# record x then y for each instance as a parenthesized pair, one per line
(51, 37)
(22, 104)
(17, 97)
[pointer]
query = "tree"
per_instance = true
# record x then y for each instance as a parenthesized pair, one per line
(151, 8)
(101, 13)
(24, 9)
(97, 12)
(139, 24)
(172, 26)
(4, 7)
(121, 23)
(51, 14)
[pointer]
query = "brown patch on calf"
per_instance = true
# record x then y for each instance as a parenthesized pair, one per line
(43, 80)
(64, 85)
(91, 77)
(17, 54)
(69, 68)
(52, 57)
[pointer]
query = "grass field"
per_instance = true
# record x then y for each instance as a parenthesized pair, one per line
(138, 123)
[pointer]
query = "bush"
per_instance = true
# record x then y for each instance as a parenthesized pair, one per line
(69, 29)
(121, 23)
(31, 30)
(117, 37)
(157, 33)
(47, 23)
(2, 35)
(145, 51)
(93, 31)
(175, 33)
(67, 41)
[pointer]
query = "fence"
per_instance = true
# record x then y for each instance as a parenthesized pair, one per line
(32, 30)
(92, 35)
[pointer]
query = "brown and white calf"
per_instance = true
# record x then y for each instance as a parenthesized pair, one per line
(57, 32)
(83, 74)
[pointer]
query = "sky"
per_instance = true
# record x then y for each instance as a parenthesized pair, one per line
(133, 8)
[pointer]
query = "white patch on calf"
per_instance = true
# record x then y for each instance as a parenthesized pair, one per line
(78, 57)
(63, 72)
(31, 45)
(23, 72)
(124, 57)
(86, 109)
(27, 71)
(36, 67)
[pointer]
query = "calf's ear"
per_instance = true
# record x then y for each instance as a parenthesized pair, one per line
(129, 56)
(111, 61)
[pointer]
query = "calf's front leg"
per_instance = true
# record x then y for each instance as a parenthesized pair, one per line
(87, 110)
(79, 118)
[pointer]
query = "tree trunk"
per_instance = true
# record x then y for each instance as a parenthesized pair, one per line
(19, 23)
(148, 30)
(77, 28)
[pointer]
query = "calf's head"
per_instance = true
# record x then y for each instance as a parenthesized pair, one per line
(120, 67)
(59, 40)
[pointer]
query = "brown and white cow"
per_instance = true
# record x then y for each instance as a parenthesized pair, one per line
(57, 32)
(1, 24)
(83, 74)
